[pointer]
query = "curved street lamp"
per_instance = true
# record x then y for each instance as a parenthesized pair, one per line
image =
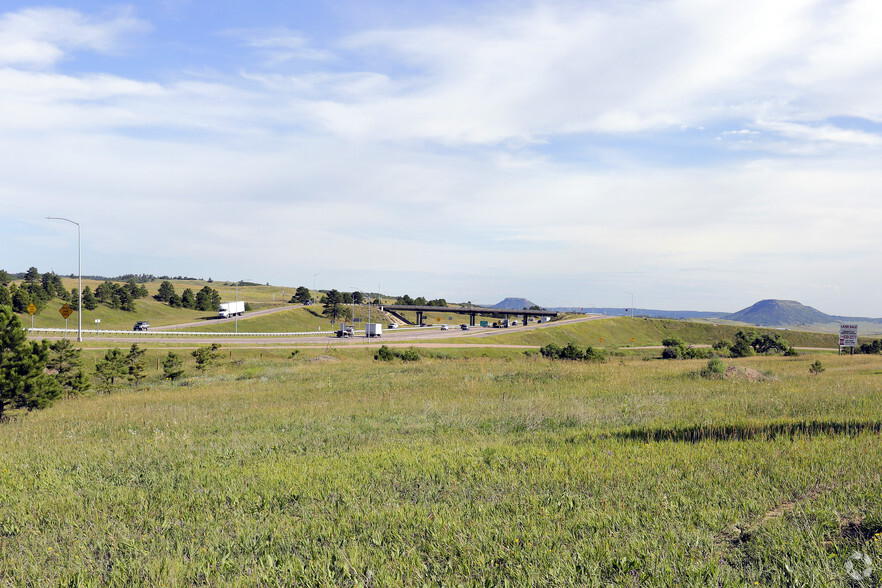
(80, 270)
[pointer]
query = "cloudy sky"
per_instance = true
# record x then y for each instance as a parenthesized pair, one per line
(695, 154)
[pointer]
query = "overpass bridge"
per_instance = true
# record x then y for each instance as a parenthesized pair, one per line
(472, 311)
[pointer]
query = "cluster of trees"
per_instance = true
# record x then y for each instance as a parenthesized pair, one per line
(386, 354)
(205, 299)
(675, 348)
(749, 343)
(301, 296)
(38, 289)
(33, 375)
(334, 303)
(419, 301)
(874, 347)
(572, 352)
(746, 344)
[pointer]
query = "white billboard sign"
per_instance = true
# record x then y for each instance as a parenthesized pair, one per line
(848, 335)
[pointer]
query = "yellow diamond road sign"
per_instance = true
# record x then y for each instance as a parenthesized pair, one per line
(31, 308)
(65, 310)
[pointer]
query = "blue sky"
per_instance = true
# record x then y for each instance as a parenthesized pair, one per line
(699, 155)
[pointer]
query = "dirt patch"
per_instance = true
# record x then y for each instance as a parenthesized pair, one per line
(749, 374)
(743, 532)
(324, 358)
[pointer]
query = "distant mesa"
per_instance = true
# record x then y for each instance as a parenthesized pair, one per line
(513, 304)
(776, 313)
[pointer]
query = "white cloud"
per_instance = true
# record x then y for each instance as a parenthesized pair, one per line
(41, 37)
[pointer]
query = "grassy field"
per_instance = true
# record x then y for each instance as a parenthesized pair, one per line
(623, 332)
(281, 470)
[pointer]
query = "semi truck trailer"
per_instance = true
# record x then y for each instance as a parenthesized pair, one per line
(228, 309)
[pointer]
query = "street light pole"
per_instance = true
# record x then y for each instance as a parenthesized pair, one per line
(314, 293)
(236, 314)
(632, 304)
(80, 271)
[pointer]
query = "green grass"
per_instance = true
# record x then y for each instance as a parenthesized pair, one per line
(620, 331)
(273, 470)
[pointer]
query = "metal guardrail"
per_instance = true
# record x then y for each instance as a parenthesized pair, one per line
(97, 334)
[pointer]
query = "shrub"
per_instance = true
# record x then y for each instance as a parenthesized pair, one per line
(551, 351)
(722, 345)
(409, 355)
(697, 353)
(206, 356)
(571, 352)
(384, 354)
(817, 367)
(671, 353)
(592, 354)
(172, 366)
(675, 348)
(715, 368)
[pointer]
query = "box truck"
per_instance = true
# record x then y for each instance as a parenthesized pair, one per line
(228, 309)
(373, 330)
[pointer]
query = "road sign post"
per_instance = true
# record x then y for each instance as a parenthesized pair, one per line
(848, 336)
(65, 311)
(32, 309)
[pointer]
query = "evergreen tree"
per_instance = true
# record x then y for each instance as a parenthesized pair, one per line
(5, 296)
(110, 368)
(206, 356)
(302, 295)
(332, 304)
(135, 364)
(74, 299)
(188, 299)
(65, 361)
(104, 292)
(89, 300)
(208, 299)
(24, 382)
(21, 299)
(32, 276)
(166, 291)
(172, 365)
(5, 278)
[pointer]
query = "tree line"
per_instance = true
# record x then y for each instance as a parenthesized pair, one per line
(35, 374)
(205, 299)
(39, 288)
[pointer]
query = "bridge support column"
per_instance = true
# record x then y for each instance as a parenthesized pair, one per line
(525, 320)
(472, 319)
(419, 318)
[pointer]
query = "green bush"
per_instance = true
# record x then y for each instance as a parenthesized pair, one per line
(715, 368)
(409, 355)
(384, 354)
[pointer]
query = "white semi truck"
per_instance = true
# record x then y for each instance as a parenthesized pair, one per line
(228, 309)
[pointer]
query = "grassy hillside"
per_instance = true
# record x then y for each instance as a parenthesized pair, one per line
(155, 312)
(644, 331)
(285, 321)
(282, 471)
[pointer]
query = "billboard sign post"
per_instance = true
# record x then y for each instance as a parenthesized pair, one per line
(848, 336)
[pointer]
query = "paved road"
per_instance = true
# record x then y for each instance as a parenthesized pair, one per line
(418, 335)
(218, 321)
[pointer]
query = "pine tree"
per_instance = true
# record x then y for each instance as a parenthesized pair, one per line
(206, 356)
(65, 361)
(110, 368)
(166, 291)
(24, 382)
(135, 364)
(89, 300)
(172, 365)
